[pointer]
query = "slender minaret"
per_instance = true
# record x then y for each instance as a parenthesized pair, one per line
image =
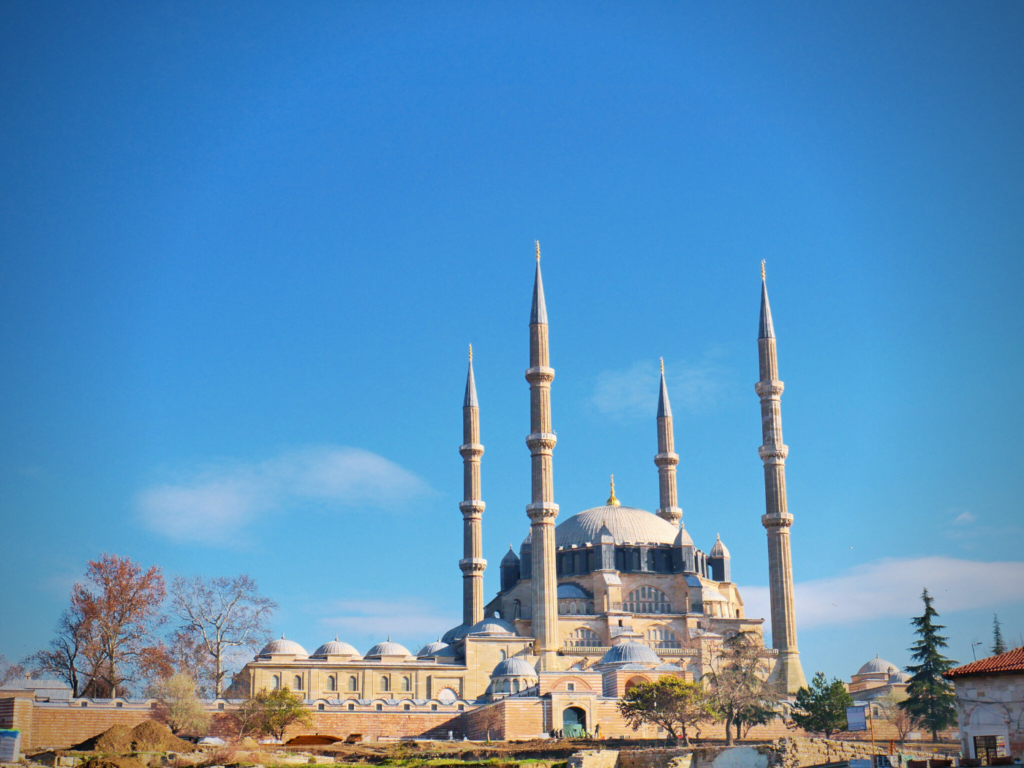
(543, 510)
(472, 563)
(666, 459)
(777, 519)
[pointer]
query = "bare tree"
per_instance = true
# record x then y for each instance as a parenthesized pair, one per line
(222, 614)
(902, 721)
(741, 693)
(9, 672)
(73, 656)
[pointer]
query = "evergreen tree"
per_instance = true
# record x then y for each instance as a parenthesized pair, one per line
(822, 707)
(929, 697)
(998, 646)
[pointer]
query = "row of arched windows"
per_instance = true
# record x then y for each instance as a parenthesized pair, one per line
(353, 683)
(574, 607)
(584, 637)
(647, 600)
(662, 637)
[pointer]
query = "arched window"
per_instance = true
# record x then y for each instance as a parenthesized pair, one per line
(506, 687)
(502, 655)
(353, 684)
(517, 608)
(297, 682)
(584, 637)
(332, 683)
(515, 686)
(647, 600)
(662, 637)
(572, 608)
(385, 684)
(406, 684)
(276, 682)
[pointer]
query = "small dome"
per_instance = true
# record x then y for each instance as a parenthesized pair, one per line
(682, 538)
(283, 647)
(709, 595)
(432, 649)
(719, 549)
(455, 633)
(878, 666)
(492, 626)
(899, 678)
(387, 648)
(528, 540)
(632, 652)
(573, 590)
(334, 648)
(514, 668)
(510, 558)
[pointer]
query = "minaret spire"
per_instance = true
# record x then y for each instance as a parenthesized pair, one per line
(777, 519)
(542, 510)
(472, 563)
(666, 459)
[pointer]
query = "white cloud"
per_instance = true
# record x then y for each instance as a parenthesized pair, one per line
(633, 392)
(892, 587)
(378, 619)
(219, 501)
(965, 518)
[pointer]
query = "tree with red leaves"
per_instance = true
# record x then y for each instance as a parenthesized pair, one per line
(123, 605)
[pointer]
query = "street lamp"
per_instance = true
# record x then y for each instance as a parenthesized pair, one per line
(973, 646)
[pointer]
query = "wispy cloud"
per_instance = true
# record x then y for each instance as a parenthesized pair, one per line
(218, 501)
(892, 587)
(633, 392)
(964, 518)
(373, 618)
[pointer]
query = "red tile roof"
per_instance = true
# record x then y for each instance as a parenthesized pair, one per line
(1004, 663)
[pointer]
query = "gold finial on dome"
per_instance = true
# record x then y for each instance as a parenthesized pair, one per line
(612, 501)
(537, 243)
(762, 269)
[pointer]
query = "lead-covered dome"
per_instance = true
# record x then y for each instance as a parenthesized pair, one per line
(432, 649)
(899, 678)
(628, 525)
(514, 668)
(492, 626)
(387, 648)
(632, 653)
(334, 647)
(878, 666)
(283, 647)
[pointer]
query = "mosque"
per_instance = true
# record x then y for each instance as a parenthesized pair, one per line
(602, 600)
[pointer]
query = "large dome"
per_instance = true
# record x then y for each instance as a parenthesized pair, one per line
(628, 525)
(283, 647)
(334, 647)
(878, 666)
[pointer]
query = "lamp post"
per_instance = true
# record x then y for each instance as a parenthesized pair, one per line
(973, 646)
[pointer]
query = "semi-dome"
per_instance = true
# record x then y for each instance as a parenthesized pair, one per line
(878, 666)
(630, 652)
(492, 626)
(710, 595)
(283, 647)
(514, 668)
(455, 633)
(628, 525)
(432, 649)
(719, 549)
(387, 648)
(899, 678)
(334, 647)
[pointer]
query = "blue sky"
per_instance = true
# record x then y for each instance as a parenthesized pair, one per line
(245, 246)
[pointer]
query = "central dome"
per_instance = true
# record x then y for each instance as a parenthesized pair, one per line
(628, 525)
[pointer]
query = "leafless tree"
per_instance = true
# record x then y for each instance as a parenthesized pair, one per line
(9, 672)
(221, 614)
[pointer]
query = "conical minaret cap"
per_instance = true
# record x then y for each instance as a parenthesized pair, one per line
(539, 312)
(664, 407)
(766, 330)
(470, 399)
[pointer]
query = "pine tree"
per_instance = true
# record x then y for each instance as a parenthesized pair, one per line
(998, 646)
(822, 707)
(929, 697)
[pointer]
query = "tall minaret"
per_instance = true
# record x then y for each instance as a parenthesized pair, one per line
(543, 510)
(666, 459)
(472, 563)
(777, 519)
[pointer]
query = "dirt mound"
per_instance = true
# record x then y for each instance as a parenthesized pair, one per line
(150, 736)
(116, 739)
(113, 762)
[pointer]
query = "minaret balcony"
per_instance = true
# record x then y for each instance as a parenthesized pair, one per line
(773, 454)
(666, 459)
(769, 389)
(780, 520)
(540, 374)
(472, 507)
(542, 511)
(541, 442)
(471, 450)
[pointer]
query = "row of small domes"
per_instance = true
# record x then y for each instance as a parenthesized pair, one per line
(335, 647)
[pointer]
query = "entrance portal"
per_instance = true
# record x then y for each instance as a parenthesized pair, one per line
(574, 722)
